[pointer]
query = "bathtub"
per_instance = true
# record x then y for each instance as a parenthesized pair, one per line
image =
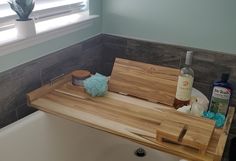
(44, 137)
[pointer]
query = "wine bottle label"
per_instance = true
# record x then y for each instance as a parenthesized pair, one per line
(184, 88)
(220, 100)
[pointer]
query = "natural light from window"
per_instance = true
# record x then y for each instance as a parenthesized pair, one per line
(44, 26)
(39, 5)
(47, 4)
(48, 14)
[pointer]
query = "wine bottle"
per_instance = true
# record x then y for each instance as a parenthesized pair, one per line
(185, 83)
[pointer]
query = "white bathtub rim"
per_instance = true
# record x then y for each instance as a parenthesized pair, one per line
(22, 122)
(39, 120)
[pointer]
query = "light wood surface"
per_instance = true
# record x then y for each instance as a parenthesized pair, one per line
(47, 88)
(151, 82)
(128, 117)
(188, 133)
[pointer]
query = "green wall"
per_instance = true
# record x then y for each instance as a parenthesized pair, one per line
(205, 24)
(14, 59)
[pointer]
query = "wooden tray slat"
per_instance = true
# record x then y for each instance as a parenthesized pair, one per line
(151, 82)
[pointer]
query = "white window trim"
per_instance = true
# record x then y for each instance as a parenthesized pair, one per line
(16, 45)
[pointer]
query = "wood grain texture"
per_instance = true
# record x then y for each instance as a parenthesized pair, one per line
(224, 135)
(128, 117)
(150, 82)
(170, 130)
(47, 88)
(188, 132)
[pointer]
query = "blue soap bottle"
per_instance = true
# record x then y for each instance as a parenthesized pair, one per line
(221, 95)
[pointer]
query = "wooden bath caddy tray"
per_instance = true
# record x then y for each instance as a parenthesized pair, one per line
(154, 125)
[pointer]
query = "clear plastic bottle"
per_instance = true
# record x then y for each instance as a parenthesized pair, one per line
(185, 83)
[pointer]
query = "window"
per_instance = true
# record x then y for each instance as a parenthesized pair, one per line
(44, 10)
(53, 18)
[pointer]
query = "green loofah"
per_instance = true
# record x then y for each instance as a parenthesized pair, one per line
(96, 85)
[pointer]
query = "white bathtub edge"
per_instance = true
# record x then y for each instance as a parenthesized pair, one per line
(22, 122)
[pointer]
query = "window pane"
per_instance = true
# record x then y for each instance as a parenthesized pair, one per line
(3, 2)
(5, 10)
(50, 3)
(44, 4)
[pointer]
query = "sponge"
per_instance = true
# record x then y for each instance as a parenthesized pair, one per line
(96, 85)
(218, 117)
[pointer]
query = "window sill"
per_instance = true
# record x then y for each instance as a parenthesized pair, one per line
(54, 28)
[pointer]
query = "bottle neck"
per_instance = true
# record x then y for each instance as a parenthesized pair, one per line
(188, 58)
(224, 77)
(187, 65)
(224, 81)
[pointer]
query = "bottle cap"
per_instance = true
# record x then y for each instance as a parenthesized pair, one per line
(189, 56)
(225, 77)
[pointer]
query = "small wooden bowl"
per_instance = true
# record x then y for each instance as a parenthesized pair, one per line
(79, 76)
